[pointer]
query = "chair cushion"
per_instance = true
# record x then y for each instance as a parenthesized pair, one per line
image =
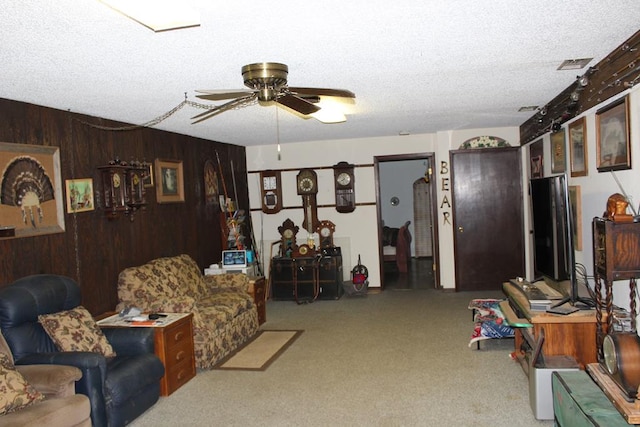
(15, 392)
(76, 330)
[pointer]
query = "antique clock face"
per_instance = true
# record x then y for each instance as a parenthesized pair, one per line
(116, 180)
(610, 354)
(271, 191)
(344, 187)
(343, 179)
(307, 182)
(325, 230)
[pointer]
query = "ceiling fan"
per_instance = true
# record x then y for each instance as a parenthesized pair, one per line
(267, 82)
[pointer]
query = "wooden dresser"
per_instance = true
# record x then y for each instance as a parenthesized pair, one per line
(258, 290)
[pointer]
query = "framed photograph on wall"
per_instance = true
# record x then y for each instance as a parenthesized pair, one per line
(169, 181)
(31, 186)
(79, 195)
(578, 148)
(535, 159)
(576, 213)
(558, 157)
(612, 136)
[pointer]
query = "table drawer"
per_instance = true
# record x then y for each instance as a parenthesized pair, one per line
(178, 335)
(179, 373)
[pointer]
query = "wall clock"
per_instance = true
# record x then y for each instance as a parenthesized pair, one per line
(288, 231)
(307, 187)
(114, 189)
(326, 229)
(135, 182)
(344, 183)
(271, 191)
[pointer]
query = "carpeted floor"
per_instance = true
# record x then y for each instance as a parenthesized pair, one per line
(387, 359)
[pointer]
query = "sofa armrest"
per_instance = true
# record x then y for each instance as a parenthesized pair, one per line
(54, 381)
(238, 281)
(130, 341)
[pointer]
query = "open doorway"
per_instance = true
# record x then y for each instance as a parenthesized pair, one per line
(405, 196)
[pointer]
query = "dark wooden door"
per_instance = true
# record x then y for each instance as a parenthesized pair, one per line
(487, 217)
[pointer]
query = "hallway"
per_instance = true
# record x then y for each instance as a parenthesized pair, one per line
(419, 277)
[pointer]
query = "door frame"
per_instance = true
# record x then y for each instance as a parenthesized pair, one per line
(435, 240)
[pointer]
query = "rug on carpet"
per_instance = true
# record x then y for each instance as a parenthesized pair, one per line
(258, 353)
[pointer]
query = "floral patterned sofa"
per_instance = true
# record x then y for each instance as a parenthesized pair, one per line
(224, 314)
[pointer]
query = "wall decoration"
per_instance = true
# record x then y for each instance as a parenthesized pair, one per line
(575, 200)
(612, 136)
(484, 142)
(79, 195)
(578, 147)
(169, 181)
(147, 180)
(31, 198)
(211, 188)
(558, 157)
(535, 159)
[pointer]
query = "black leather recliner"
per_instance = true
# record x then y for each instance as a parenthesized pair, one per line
(119, 389)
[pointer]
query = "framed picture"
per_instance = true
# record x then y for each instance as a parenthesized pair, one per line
(79, 195)
(31, 199)
(558, 157)
(211, 187)
(578, 147)
(576, 212)
(535, 156)
(148, 175)
(612, 136)
(169, 181)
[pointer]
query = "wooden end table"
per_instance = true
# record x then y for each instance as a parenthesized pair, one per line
(173, 342)
(258, 290)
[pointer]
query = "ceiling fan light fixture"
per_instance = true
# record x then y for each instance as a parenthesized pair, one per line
(158, 15)
(329, 115)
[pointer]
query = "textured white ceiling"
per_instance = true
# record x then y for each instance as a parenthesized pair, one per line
(417, 66)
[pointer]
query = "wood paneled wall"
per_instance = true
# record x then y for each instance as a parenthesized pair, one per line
(93, 250)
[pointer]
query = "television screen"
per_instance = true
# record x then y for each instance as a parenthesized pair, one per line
(234, 259)
(552, 233)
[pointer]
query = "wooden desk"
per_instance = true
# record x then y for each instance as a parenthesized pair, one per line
(571, 335)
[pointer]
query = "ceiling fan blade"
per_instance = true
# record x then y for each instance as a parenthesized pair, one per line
(322, 92)
(239, 102)
(298, 104)
(217, 95)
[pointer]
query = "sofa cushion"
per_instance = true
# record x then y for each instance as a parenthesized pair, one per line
(76, 330)
(188, 274)
(15, 392)
(144, 283)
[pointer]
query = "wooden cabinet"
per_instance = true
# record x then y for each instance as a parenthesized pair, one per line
(569, 335)
(257, 289)
(174, 346)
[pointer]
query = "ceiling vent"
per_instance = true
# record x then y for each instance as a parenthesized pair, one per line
(574, 64)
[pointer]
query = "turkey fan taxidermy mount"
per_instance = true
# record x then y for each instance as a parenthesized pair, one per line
(267, 82)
